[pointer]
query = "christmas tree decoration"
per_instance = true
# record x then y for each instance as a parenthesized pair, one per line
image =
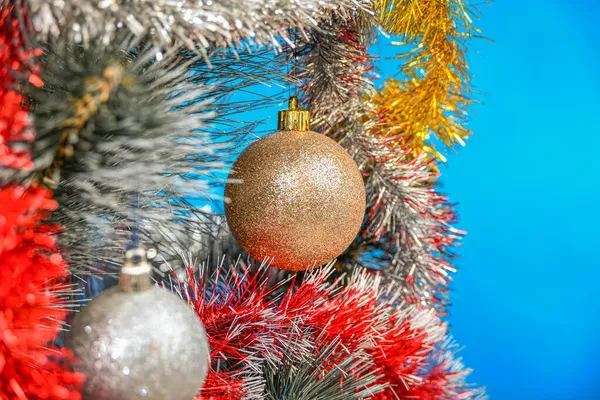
(119, 121)
(295, 197)
(320, 332)
(138, 341)
(33, 284)
(198, 25)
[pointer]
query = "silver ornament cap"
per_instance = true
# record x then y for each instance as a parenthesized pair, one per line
(139, 341)
(135, 273)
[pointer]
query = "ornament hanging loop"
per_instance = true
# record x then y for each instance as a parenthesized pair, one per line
(135, 273)
(294, 118)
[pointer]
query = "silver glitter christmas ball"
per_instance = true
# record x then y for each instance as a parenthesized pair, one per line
(138, 341)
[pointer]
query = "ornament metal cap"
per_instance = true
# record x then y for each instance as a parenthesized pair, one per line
(135, 272)
(294, 118)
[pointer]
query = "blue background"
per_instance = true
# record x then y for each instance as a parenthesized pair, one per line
(526, 299)
(527, 295)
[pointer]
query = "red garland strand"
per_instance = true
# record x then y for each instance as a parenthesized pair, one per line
(244, 309)
(32, 273)
(14, 122)
(405, 347)
(222, 386)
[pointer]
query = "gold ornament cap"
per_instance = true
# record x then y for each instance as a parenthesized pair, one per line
(135, 272)
(294, 118)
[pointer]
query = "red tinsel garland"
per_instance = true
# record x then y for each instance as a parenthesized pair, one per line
(222, 386)
(407, 347)
(32, 273)
(14, 126)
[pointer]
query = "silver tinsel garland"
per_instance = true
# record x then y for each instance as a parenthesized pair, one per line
(417, 245)
(199, 25)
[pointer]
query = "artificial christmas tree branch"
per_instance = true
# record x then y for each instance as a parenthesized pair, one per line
(299, 374)
(120, 138)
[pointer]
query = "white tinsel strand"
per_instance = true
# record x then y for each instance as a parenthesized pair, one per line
(266, 375)
(199, 25)
(335, 71)
(410, 222)
(456, 373)
(225, 285)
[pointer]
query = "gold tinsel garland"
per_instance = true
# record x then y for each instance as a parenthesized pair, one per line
(434, 95)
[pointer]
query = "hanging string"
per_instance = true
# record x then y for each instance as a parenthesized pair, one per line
(300, 49)
(135, 228)
(288, 74)
(295, 66)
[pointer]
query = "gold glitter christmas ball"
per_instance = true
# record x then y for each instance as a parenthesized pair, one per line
(295, 198)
